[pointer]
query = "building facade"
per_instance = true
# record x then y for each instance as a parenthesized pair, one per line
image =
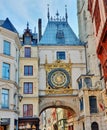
(87, 34)
(9, 72)
(60, 72)
(62, 61)
(98, 12)
(29, 81)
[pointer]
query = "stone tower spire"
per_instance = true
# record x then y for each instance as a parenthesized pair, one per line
(66, 14)
(48, 14)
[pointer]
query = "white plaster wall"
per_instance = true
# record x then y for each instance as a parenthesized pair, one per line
(42, 79)
(74, 53)
(10, 59)
(76, 72)
(33, 51)
(9, 84)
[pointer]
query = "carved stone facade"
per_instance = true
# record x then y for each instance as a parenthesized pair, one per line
(93, 71)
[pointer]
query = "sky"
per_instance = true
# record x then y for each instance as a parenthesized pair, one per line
(22, 11)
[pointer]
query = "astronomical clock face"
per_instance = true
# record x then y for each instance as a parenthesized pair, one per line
(58, 78)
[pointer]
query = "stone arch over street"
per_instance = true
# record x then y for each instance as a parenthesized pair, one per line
(70, 103)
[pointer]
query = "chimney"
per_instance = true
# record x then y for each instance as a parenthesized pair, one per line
(39, 28)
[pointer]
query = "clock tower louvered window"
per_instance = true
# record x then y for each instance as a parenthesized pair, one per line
(60, 36)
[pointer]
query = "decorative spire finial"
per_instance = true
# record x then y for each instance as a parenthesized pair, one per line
(66, 15)
(57, 14)
(69, 59)
(27, 25)
(48, 15)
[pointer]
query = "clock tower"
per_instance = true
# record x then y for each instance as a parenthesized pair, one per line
(61, 62)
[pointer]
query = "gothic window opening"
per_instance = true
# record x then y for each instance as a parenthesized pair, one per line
(81, 104)
(94, 126)
(88, 82)
(101, 71)
(83, 126)
(93, 104)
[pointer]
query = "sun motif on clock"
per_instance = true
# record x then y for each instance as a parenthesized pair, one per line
(58, 78)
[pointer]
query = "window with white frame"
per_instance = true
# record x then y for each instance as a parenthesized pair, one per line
(6, 71)
(6, 48)
(5, 98)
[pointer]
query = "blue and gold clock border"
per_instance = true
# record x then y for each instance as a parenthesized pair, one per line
(66, 68)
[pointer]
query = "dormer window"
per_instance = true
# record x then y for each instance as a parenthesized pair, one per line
(60, 34)
(60, 37)
(27, 40)
(27, 36)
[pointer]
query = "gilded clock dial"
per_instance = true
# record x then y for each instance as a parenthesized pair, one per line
(58, 78)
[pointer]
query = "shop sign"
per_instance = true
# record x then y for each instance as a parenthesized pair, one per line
(5, 121)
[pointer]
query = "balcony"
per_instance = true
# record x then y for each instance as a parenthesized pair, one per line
(89, 82)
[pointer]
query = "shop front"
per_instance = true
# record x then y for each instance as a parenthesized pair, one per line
(4, 123)
(28, 123)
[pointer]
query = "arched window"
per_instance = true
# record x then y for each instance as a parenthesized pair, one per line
(88, 82)
(94, 126)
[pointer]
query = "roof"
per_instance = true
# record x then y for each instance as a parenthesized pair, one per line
(58, 32)
(8, 25)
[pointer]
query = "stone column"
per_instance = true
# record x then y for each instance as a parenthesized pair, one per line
(76, 127)
(87, 123)
(11, 124)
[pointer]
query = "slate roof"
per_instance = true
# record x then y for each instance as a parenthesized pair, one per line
(59, 32)
(8, 25)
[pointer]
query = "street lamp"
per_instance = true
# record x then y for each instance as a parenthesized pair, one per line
(20, 97)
